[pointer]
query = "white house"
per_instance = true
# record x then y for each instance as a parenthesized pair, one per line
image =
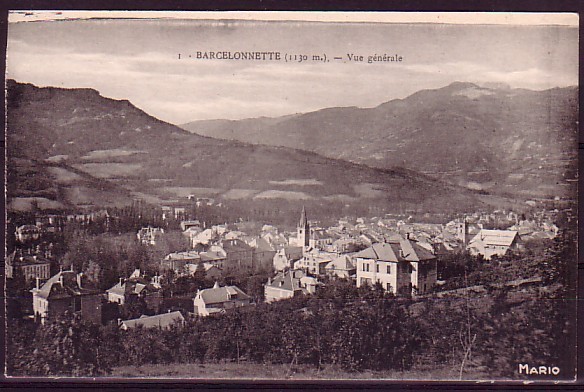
(289, 284)
(220, 299)
(491, 243)
(400, 265)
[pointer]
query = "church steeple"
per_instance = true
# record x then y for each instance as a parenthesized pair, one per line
(303, 220)
(303, 229)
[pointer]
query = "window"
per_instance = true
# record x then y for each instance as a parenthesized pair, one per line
(388, 269)
(388, 285)
(377, 268)
(367, 267)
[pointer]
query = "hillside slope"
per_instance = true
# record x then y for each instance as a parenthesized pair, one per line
(507, 141)
(82, 149)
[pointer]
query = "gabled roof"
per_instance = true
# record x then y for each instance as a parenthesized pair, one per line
(164, 320)
(211, 256)
(293, 252)
(395, 250)
(235, 245)
(341, 263)
(209, 266)
(495, 237)
(119, 289)
(289, 280)
(261, 245)
(188, 255)
(217, 295)
(24, 260)
(53, 288)
(132, 285)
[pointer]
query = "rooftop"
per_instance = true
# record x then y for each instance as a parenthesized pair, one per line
(164, 320)
(217, 295)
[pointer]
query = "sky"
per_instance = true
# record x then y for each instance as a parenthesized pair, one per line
(137, 59)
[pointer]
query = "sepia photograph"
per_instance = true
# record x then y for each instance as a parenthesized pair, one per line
(291, 196)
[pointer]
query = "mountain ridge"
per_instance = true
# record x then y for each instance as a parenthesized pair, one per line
(125, 153)
(470, 135)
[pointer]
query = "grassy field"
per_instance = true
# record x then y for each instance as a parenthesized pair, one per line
(249, 371)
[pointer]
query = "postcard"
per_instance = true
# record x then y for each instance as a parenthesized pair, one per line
(291, 196)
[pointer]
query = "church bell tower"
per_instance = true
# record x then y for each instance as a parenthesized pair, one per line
(303, 230)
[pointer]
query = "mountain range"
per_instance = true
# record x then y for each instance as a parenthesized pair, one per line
(71, 148)
(511, 142)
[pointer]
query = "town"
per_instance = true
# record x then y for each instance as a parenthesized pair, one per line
(158, 267)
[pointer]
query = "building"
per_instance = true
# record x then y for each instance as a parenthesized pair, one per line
(263, 253)
(136, 286)
(27, 233)
(177, 261)
(185, 225)
(400, 265)
(314, 261)
(276, 240)
(160, 321)
(285, 258)
(50, 223)
(212, 272)
(66, 291)
(489, 243)
(341, 267)
(289, 284)
(29, 267)
(205, 237)
(215, 255)
(219, 300)
(320, 239)
(149, 235)
(238, 255)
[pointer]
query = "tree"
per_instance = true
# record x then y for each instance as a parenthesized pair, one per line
(67, 347)
(135, 307)
(200, 276)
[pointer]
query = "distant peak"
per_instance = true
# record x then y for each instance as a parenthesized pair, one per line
(460, 86)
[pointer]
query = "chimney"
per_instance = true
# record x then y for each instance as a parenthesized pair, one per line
(61, 279)
(38, 283)
(119, 322)
(79, 276)
(216, 285)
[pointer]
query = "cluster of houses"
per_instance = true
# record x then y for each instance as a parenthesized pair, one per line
(68, 291)
(398, 255)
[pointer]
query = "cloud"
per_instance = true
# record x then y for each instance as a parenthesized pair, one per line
(139, 62)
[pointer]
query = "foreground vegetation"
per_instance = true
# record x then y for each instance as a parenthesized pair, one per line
(253, 371)
(343, 328)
